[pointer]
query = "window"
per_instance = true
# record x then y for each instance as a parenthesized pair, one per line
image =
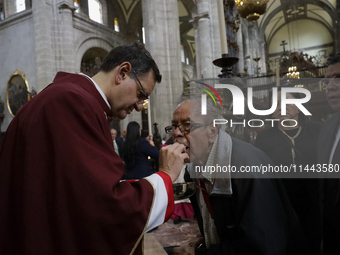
(95, 11)
(143, 33)
(2, 15)
(76, 4)
(182, 54)
(20, 5)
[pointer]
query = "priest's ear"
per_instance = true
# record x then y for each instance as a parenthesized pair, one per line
(212, 131)
(124, 70)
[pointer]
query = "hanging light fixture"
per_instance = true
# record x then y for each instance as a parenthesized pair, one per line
(251, 9)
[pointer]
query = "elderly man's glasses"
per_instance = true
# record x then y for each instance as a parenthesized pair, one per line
(184, 127)
(335, 80)
(145, 95)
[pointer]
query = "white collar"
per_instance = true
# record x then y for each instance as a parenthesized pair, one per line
(98, 88)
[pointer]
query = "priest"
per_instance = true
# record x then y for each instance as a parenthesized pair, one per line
(60, 178)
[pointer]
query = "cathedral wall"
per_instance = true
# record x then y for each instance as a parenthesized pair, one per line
(88, 34)
(16, 52)
(302, 40)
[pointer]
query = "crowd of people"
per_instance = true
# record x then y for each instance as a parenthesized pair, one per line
(68, 185)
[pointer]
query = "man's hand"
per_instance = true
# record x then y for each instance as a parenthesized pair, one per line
(149, 139)
(171, 159)
(186, 250)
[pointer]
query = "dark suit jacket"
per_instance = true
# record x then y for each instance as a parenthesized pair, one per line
(326, 139)
(257, 218)
(120, 143)
(325, 144)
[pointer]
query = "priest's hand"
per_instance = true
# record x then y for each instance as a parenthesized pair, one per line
(171, 159)
(184, 250)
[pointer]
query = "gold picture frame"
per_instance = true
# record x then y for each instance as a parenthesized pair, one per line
(17, 92)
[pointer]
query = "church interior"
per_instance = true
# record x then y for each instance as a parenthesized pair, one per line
(205, 41)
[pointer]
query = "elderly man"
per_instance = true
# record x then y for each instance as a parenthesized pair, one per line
(329, 153)
(235, 216)
(60, 188)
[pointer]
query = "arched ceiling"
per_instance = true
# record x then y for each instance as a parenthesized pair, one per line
(280, 13)
(127, 7)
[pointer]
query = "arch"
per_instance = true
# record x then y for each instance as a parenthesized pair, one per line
(286, 24)
(190, 5)
(329, 9)
(88, 43)
(92, 60)
(135, 23)
(188, 53)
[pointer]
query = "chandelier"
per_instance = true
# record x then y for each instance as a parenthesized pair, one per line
(251, 9)
(292, 73)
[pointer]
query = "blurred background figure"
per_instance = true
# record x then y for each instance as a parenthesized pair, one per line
(136, 152)
(296, 145)
(157, 137)
(120, 142)
(183, 208)
(164, 140)
(113, 135)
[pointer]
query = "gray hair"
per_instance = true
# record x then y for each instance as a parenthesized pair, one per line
(213, 111)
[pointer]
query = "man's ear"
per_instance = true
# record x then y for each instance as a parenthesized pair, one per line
(124, 70)
(213, 131)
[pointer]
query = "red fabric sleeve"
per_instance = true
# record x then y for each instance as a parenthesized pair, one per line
(171, 200)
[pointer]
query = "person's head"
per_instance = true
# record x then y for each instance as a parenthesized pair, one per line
(133, 131)
(332, 82)
(113, 133)
(130, 146)
(194, 130)
(127, 77)
(124, 133)
(292, 112)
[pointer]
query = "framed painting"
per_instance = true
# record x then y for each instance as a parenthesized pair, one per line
(17, 92)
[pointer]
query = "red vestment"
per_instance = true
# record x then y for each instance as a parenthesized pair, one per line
(60, 189)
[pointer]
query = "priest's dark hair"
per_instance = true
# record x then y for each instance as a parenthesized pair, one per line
(130, 144)
(140, 59)
(333, 60)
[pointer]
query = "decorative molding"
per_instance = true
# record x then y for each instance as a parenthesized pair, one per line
(64, 5)
(16, 18)
(196, 18)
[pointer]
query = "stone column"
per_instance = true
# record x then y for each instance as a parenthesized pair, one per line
(162, 39)
(43, 31)
(262, 55)
(198, 52)
(336, 27)
(66, 53)
(240, 54)
(215, 37)
(203, 40)
(247, 54)
(207, 38)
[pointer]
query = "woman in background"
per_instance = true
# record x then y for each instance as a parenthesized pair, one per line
(136, 152)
